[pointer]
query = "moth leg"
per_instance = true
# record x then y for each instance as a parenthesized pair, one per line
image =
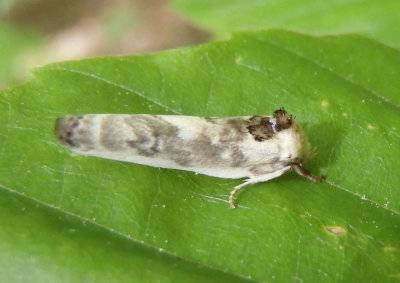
(305, 173)
(254, 180)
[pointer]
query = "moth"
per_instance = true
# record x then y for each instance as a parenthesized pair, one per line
(258, 148)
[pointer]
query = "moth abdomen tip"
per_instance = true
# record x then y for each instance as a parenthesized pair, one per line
(64, 129)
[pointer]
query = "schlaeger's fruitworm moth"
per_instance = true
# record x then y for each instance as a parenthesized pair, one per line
(257, 147)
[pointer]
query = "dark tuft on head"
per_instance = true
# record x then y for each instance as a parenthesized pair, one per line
(283, 120)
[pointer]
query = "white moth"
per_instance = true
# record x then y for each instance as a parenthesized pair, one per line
(257, 147)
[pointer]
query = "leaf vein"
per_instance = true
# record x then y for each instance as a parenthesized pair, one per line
(117, 233)
(124, 87)
(372, 92)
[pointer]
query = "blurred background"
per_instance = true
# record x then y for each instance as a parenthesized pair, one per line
(37, 32)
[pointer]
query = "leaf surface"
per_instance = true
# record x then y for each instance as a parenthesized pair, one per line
(376, 19)
(177, 223)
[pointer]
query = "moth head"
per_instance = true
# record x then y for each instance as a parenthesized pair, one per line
(293, 140)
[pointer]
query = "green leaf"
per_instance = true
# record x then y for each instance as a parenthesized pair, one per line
(377, 19)
(342, 89)
(41, 243)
